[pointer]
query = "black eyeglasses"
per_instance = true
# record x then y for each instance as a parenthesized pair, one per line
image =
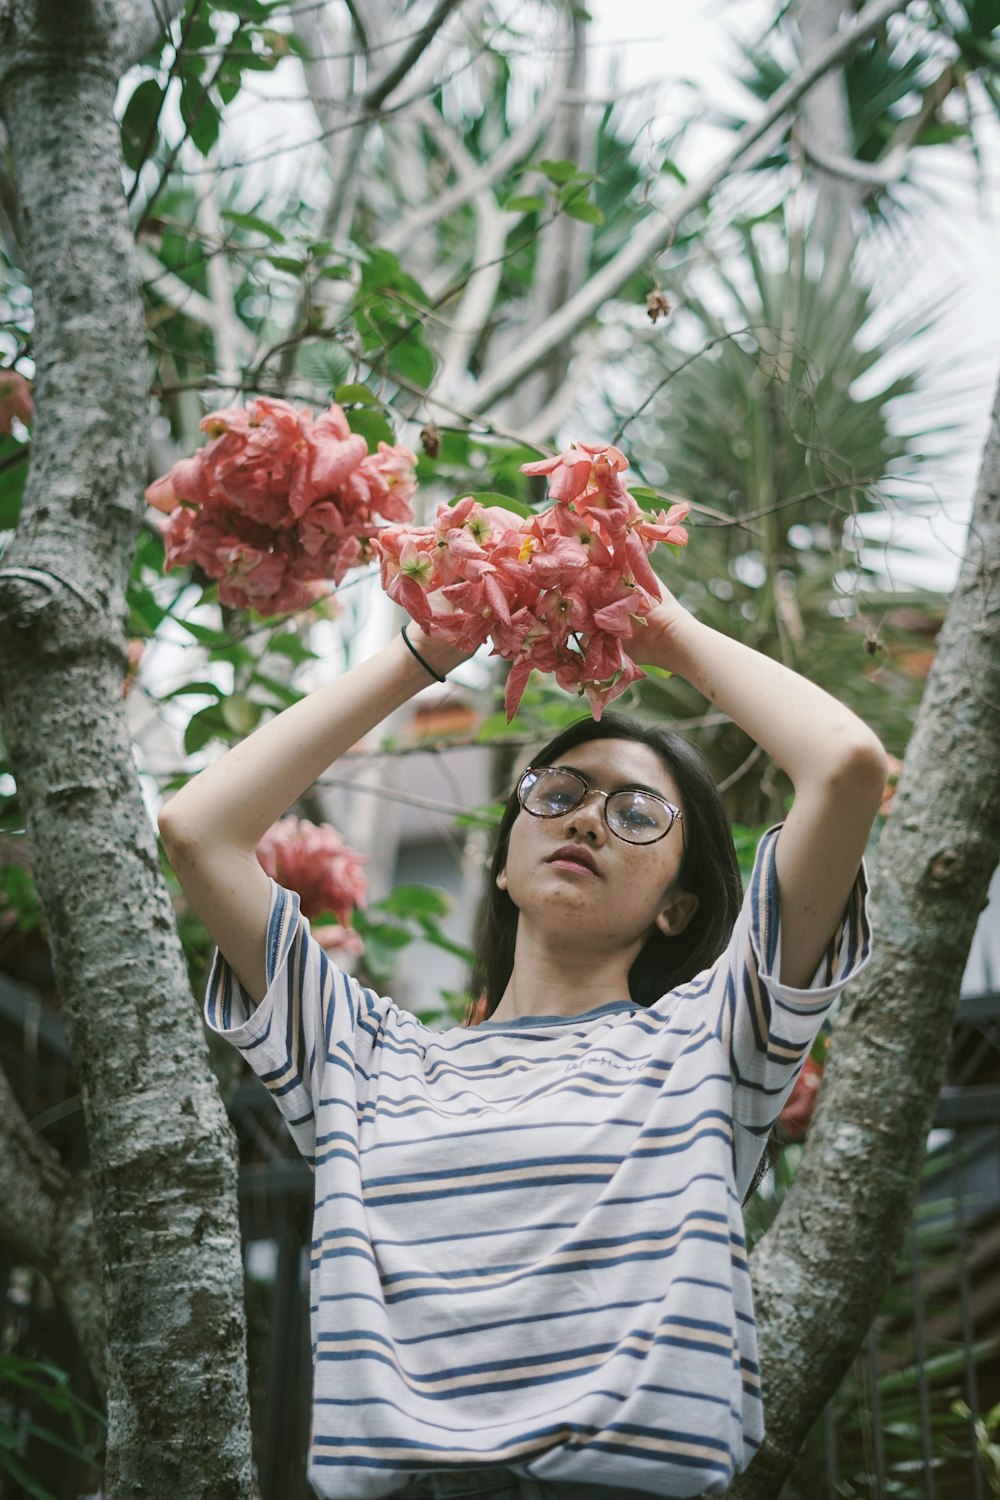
(636, 816)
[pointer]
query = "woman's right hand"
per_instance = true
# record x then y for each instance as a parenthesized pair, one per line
(439, 654)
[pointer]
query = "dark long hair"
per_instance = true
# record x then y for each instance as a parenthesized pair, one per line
(708, 870)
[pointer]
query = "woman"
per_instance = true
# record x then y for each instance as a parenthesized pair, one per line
(529, 1276)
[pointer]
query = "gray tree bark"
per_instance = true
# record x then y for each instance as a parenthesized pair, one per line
(820, 1273)
(162, 1154)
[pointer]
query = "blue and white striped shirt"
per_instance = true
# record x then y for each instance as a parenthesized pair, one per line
(528, 1244)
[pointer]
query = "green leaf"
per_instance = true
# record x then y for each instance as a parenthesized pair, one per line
(346, 394)
(383, 272)
(493, 498)
(372, 426)
(412, 359)
(241, 713)
(586, 212)
(14, 456)
(432, 934)
(141, 111)
(292, 646)
(285, 694)
(336, 273)
(483, 817)
(286, 263)
(525, 203)
(20, 896)
(205, 635)
(324, 361)
(416, 901)
(194, 690)
(145, 615)
(673, 170)
(560, 171)
(200, 115)
(254, 222)
(207, 724)
(229, 84)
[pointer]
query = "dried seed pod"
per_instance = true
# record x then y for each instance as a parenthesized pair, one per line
(657, 305)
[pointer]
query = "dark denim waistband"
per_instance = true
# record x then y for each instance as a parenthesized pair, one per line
(501, 1484)
(507, 1484)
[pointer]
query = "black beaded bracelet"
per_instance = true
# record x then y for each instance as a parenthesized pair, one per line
(426, 665)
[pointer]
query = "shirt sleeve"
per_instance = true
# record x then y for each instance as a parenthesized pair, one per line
(302, 1040)
(767, 1026)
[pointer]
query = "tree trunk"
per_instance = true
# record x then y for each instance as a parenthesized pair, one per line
(46, 1219)
(820, 1273)
(162, 1156)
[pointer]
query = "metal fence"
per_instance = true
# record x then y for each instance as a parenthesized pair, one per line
(893, 1429)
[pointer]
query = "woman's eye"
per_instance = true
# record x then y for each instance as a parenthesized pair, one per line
(634, 817)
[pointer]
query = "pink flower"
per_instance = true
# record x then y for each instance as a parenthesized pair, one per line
(312, 859)
(666, 527)
(408, 569)
(583, 466)
(136, 647)
(15, 399)
(559, 592)
(322, 469)
(344, 941)
(277, 504)
(185, 483)
(797, 1113)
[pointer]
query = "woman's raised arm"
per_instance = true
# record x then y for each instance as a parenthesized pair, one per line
(212, 827)
(836, 765)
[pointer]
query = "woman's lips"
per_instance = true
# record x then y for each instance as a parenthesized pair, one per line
(572, 859)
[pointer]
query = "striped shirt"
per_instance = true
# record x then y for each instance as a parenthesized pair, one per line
(528, 1246)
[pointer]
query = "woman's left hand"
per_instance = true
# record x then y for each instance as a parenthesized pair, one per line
(656, 642)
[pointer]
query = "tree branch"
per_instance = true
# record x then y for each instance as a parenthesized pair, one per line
(376, 96)
(222, 322)
(866, 174)
(656, 235)
(494, 169)
(46, 1220)
(141, 24)
(232, 340)
(891, 164)
(345, 181)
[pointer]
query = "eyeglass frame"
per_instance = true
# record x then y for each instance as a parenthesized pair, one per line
(676, 816)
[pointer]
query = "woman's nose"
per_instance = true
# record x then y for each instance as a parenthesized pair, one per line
(587, 817)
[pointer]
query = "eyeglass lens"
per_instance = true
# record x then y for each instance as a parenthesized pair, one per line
(632, 815)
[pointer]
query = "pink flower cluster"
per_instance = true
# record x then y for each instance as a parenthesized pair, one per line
(277, 504)
(561, 591)
(312, 859)
(15, 399)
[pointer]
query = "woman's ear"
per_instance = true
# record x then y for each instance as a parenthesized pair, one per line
(677, 911)
(502, 879)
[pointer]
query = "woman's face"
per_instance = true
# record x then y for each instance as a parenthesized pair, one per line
(570, 873)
